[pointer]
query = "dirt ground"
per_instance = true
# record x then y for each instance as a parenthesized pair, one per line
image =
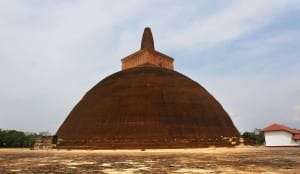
(211, 160)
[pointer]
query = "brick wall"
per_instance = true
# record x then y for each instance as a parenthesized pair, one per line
(148, 57)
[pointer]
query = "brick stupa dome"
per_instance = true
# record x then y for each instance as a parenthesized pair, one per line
(147, 105)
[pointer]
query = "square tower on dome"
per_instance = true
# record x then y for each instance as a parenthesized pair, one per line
(147, 55)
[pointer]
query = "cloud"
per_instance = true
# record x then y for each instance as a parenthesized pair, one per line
(232, 22)
(49, 43)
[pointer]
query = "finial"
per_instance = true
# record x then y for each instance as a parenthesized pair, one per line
(147, 40)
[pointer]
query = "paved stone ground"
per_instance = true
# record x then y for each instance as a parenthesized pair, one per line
(218, 160)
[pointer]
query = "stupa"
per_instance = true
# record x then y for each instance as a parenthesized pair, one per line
(147, 105)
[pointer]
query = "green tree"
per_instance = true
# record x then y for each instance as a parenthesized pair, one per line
(256, 137)
(13, 138)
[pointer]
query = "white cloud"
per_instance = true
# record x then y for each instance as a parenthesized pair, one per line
(236, 20)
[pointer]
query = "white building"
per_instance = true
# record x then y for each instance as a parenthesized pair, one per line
(280, 135)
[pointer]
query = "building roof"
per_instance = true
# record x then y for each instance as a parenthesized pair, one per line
(296, 137)
(280, 127)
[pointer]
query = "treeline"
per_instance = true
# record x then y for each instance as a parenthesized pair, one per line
(256, 137)
(13, 138)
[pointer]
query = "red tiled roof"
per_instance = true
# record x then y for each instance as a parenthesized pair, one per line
(296, 137)
(279, 127)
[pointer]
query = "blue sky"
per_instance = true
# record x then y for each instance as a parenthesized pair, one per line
(245, 53)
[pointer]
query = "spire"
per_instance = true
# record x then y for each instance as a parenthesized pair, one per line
(147, 55)
(147, 40)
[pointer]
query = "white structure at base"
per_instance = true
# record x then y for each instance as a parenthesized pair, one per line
(280, 135)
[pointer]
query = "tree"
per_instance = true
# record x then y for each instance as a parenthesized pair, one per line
(13, 138)
(256, 137)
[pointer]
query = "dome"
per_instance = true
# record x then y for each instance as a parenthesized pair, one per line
(147, 106)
